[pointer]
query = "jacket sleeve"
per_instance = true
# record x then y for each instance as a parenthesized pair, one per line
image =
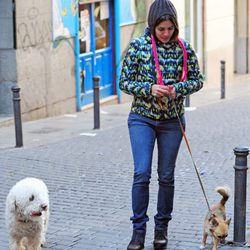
(130, 80)
(194, 81)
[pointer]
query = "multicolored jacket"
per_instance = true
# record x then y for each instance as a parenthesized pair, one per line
(139, 74)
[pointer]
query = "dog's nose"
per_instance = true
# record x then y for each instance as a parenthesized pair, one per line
(44, 207)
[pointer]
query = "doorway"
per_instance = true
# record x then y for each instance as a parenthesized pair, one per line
(96, 52)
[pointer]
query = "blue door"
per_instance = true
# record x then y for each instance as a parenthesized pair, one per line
(95, 37)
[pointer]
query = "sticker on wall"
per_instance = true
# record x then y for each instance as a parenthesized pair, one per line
(64, 14)
(127, 12)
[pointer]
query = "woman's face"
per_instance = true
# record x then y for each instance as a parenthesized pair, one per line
(164, 31)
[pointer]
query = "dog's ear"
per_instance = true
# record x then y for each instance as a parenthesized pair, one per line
(214, 223)
(228, 221)
(12, 205)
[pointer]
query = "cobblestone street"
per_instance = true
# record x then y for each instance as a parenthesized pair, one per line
(89, 175)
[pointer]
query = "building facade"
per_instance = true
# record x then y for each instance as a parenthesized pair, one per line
(52, 49)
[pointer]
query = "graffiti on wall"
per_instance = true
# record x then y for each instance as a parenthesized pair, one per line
(64, 12)
(32, 30)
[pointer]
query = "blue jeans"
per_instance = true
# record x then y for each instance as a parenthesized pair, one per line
(143, 134)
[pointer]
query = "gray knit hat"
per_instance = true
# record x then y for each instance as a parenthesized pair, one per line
(158, 9)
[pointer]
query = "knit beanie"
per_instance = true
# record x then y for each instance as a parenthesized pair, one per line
(158, 9)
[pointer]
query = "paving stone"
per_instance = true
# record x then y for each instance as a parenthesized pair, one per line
(89, 177)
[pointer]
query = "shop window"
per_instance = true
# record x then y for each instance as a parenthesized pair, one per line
(101, 13)
(84, 28)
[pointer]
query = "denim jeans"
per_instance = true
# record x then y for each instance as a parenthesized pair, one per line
(143, 134)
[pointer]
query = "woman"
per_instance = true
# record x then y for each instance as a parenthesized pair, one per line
(153, 117)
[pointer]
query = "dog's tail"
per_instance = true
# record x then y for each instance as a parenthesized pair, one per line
(225, 193)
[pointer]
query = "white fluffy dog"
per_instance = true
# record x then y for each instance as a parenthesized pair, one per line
(27, 214)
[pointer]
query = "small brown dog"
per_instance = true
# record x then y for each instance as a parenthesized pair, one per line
(215, 223)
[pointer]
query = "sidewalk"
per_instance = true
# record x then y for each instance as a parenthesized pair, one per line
(89, 172)
(53, 129)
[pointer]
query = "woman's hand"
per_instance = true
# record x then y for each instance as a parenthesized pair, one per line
(161, 90)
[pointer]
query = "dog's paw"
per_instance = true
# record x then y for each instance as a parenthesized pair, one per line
(43, 241)
(202, 247)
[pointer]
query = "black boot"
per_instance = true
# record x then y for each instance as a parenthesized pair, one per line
(137, 241)
(161, 239)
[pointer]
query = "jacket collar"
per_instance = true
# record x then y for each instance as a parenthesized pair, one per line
(168, 45)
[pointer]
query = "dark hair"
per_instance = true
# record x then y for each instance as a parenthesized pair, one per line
(171, 19)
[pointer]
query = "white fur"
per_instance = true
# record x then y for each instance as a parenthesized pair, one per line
(27, 214)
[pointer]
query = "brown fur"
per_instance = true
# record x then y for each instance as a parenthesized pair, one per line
(215, 223)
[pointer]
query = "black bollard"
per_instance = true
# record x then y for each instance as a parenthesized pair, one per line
(223, 69)
(17, 116)
(240, 194)
(96, 80)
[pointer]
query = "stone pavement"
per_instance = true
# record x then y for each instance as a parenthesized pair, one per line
(89, 172)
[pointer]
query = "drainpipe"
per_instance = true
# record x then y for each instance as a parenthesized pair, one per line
(187, 35)
(187, 20)
(14, 23)
(204, 38)
(77, 62)
(117, 47)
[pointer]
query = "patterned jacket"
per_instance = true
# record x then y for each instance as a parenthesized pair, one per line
(139, 74)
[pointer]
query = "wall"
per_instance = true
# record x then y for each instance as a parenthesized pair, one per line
(45, 69)
(180, 8)
(7, 58)
(241, 36)
(219, 37)
(220, 40)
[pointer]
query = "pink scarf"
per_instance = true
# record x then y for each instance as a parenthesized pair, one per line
(159, 74)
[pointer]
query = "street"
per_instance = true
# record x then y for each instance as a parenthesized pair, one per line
(89, 175)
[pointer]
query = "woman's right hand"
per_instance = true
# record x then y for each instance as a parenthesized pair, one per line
(162, 90)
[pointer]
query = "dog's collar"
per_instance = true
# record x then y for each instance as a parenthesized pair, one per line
(24, 221)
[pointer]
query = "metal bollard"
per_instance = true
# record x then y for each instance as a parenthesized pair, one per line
(240, 191)
(17, 116)
(223, 69)
(96, 80)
